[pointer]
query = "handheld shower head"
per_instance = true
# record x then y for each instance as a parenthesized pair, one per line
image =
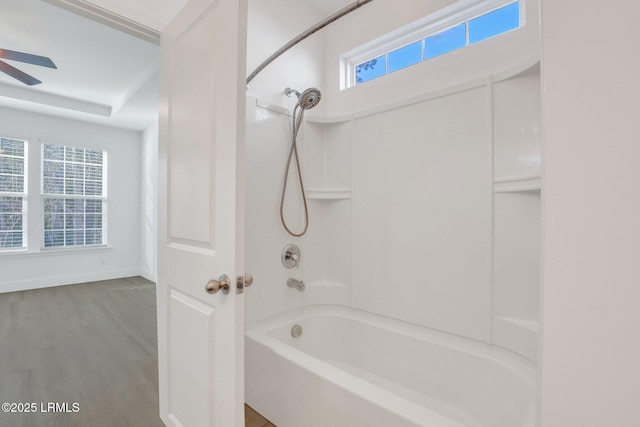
(307, 99)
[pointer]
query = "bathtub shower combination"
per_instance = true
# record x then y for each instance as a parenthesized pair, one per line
(441, 190)
(340, 367)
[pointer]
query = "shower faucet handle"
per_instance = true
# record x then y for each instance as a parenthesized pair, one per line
(291, 256)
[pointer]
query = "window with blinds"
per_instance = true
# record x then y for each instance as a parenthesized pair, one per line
(13, 192)
(74, 196)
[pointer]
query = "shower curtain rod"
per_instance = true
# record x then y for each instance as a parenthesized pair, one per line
(320, 25)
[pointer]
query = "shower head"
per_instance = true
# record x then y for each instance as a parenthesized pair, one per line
(307, 99)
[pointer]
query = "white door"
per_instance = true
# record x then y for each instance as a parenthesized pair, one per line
(200, 233)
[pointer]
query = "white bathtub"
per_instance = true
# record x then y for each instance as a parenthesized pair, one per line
(354, 369)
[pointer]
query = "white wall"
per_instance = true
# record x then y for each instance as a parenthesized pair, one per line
(148, 202)
(52, 268)
(422, 214)
(591, 214)
(271, 25)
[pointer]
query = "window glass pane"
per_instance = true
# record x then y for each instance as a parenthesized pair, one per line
(93, 188)
(94, 206)
(94, 237)
(497, 22)
(54, 221)
(371, 69)
(53, 238)
(12, 183)
(74, 187)
(11, 147)
(445, 41)
(74, 237)
(73, 206)
(73, 222)
(93, 221)
(93, 172)
(12, 170)
(10, 204)
(11, 239)
(74, 171)
(405, 56)
(73, 154)
(53, 186)
(94, 156)
(11, 221)
(52, 152)
(53, 169)
(12, 165)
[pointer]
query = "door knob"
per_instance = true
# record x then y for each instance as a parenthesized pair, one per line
(248, 280)
(213, 286)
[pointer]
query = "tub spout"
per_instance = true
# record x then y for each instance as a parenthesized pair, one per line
(297, 284)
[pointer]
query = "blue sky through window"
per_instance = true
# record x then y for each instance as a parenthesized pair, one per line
(445, 41)
(405, 56)
(493, 23)
(371, 69)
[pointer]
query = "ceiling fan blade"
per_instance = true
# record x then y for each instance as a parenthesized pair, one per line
(17, 74)
(28, 58)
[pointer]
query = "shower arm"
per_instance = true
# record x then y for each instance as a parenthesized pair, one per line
(320, 25)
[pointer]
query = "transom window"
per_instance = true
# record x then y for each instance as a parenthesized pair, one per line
(436, 35)
(74, 196)
(13, 192)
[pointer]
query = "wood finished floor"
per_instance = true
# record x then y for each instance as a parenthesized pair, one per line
(94, 344)
(254, 419)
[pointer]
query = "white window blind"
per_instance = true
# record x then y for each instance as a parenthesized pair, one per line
(13, 191)
(74, 196)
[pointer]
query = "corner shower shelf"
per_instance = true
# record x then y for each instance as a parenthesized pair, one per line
(516, 184)
(328, 193)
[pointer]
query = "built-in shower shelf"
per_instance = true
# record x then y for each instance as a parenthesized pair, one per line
(328, 193)
(517, 184)
(328, 120)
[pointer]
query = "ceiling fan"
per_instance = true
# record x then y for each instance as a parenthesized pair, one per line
(27, 58)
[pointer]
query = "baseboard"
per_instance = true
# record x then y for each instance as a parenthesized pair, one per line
(147, 274)
(51, 281)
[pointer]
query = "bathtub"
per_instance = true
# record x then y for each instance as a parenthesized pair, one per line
(350, 368)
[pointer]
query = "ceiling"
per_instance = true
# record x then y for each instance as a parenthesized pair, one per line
(106, 74)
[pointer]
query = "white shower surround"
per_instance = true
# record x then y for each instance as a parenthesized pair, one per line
(350, 368)
(289, 385)
(370, 166)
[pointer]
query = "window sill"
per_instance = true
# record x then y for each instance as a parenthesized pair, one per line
(59, 251)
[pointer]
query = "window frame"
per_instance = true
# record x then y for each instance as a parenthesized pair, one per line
(449, 17)
(23, 195)
(64, 197)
